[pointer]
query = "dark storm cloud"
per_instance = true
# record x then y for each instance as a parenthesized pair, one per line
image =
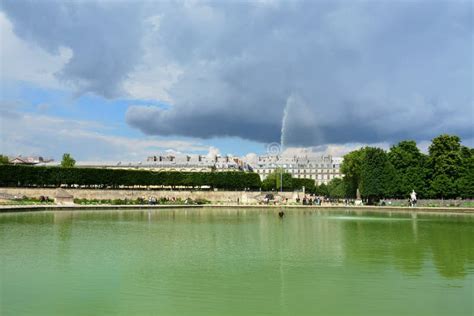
(347, 72)
(104, 38)
(344, 71)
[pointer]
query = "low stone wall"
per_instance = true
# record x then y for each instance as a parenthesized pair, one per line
(443, 211)
(430, 202)
(223, 197)
(228, 197)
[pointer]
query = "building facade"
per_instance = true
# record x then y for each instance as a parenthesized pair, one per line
(175, 162)
(195, 163)
(321, 169)
(29, 160)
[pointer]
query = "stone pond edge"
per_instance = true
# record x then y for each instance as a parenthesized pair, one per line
(38, 208)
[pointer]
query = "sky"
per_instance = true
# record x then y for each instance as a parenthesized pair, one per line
(122, 80)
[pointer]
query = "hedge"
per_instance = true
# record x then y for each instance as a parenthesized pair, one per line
(31, 176)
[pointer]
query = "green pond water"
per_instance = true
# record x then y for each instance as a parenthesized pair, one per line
(235, 262)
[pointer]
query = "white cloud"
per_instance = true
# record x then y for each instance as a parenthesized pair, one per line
(30, 134)
(213, 152)
(152, 78)
(335, 150)
(23, 61)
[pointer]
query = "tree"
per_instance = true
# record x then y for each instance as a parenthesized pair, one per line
(336, 188)
(409, 164)
(68, 161)
(446, 165)
(4, 160)
(377, 175)
(322, 190)
(405, 154)
(443, 187)
(273, 181)
(299, 183)
(351, 168)
(445, 155)
(465, 183)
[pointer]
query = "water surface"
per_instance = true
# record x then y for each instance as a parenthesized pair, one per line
(235, 262)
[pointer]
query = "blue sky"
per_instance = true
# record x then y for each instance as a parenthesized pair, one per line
(108, 80)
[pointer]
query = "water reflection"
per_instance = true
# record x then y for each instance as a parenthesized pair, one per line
(63, 228)
(409, 245)
(379, 241)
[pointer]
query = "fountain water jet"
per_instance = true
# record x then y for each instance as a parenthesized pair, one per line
(283, 127)
(284, 121)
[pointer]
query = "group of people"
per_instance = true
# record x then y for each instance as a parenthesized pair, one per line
(43, 198)
(310, 201)
(306, 200)
(151, 200)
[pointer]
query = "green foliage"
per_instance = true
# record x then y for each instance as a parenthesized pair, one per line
(445, 156)
(449, 166)
(322, 190)
(24, 176)
(376, 175)
(410, 169)
(447, 172)
(4, 160)
(442, 187)
(336, 188)
(465, 183)
(308, 184)
(29, 201)
(370, 170)
(405, 155)
(68, 161)
(273, 182)
(351, 168)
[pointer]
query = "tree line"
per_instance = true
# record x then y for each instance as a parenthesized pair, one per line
(34, 176)
(447, 171)
(279, 177)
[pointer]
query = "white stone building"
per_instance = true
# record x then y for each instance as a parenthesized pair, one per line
(321, 169)
(195, 163)
(171, 162)
(29, 160)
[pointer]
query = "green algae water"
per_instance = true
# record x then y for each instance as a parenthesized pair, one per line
(235, 262)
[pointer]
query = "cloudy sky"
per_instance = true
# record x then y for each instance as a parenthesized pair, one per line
(119, 80)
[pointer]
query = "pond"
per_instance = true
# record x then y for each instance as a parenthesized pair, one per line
(236, 262)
